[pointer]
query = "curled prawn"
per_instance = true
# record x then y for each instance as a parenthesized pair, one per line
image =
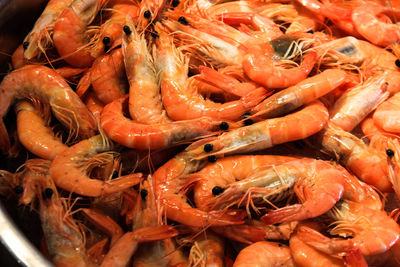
(67, 170)
(178, 97)
(265, 253)
(70, 37)
(34, 134)
(44, 84)
(39, 38)
(387, 114)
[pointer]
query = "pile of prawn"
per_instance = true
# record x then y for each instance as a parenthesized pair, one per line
(208, 133)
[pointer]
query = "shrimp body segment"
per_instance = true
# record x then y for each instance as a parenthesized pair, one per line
(68, 172)
(44, 84)
(300, 94)
(266, 254)
(34, 134)
(387, 115)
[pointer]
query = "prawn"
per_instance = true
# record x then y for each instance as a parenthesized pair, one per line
(44, 84)
(368, 164)
(318, 191)
(367, 24)
(39, 38)
(177, 97)
(145, 104)
(355, 104)
(151, 136)
(63, 237)
(67, 170)
(268, 133)
(207, 250)
(168, 182)
(34, 134)
(17, 58)
(387, 115)
(264, 253)
(264, 70)
(69, 36)
(107, 76)
(300, 94)
(372, 231)
(94, 105)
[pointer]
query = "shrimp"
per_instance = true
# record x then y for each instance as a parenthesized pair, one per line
(268, 133)
(107, 76)
(145, 104)
(300, 94)
(168, 182)
(17, 58)
(372, 231)
(69, 34)
(150, 10)
(63, 237)
(387, 115)
(355, 104)
(207, 250)
(44, 84)
(111, 30)
(67, 170)
(211, 180)
(266, 254)
(39, 38)
(264, 70)
(317, 184)
(94, 105)
(177, 97)
(34, 134)
(368, 164)
(366, 23)
(151, 136)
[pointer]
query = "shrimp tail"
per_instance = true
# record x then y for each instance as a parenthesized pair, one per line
(255, 97)
(4, 138)
(355, 258)
(149, 234)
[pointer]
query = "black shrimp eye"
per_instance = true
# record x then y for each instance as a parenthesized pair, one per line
(106, 40)
(224, 126)
(48, 192)
(147, 14)
(389, 152)
(183, 21)
(248, 122)
(310, 31)
(143, 194)
(212, 158)
(246, 115)
(154, 35)
(127, 30)
(397, 62)
(175, 3)
(18, 189)
(208, 147)
(25, 45)
(115, 174)
(217, 190)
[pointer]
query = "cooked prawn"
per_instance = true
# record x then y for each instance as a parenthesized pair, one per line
(39, 38)
(34, 133)
(69, 37)
(264, 70)
(207, 250)
(44, 84)
(387, 114)
(268, 133)
(67, 170)
(177, 97)
(300, 94)
(266, 254)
